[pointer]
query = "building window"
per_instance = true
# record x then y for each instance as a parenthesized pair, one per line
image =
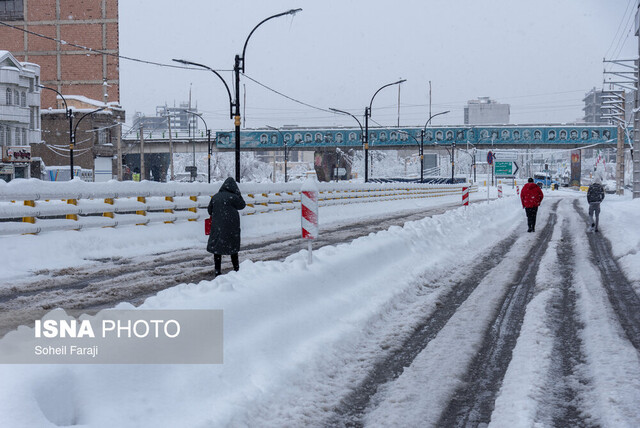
(32, 118)
(11, 10)
(18, 137)
(25, 140)
(8, 136)
(8, 98)
(16, 96)
(23, 99)
(1, 135)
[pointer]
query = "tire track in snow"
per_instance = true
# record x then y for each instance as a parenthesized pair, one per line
(565, 379)
(473, 403)
(353, 407)
(623, 298)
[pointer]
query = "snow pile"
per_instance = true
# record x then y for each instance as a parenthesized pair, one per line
(281, 320)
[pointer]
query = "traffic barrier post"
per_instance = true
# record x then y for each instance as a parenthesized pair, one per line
(465, 196)
(309, 212)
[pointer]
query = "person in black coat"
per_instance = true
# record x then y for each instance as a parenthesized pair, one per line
(595, 195)
(224, 237)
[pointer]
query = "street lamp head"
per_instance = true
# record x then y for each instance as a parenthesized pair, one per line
(368, 112)
(434, 115)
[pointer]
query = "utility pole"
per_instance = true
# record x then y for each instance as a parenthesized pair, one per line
(429, 98)
(625, 73)
(620, 152)
(172, 172)
(636, 124)
(399, 104)
(119, 150)
(142, 170)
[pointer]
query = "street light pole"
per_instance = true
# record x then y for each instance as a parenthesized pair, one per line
(238, 67)
(425, 130)
(362, 133)
(284, 142)
(420, 150)
(208, 132)
(453, 152)
(69, 114)
(367, 114)
(421, 155)
(73, 135)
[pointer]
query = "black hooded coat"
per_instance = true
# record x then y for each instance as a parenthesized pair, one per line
(225, 220)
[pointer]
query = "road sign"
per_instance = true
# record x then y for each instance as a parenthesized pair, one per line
(504, 168)
(339, 171)
(489, 158)
(504, 156)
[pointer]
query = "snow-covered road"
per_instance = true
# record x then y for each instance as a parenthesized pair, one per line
(459, 319)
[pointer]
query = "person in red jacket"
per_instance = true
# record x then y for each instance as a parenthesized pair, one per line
(531, 197)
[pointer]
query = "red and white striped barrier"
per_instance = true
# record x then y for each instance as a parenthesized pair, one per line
(517, 190)
(499, 191)
(309, 211)
(465, 196)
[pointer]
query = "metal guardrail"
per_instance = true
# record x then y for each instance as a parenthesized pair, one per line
(33, 210)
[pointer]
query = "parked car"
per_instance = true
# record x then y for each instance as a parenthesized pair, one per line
(544, 180)
(609, 186)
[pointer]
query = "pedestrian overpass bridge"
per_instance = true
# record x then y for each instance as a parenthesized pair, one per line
(572, 136)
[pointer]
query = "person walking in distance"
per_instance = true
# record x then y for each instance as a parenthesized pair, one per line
(595, 195)
(531, 197)
(224, 237)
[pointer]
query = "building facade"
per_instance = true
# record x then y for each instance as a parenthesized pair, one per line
(97, 136)
(51, 33)
(183, 121)
(594, 113)
(19, 115)
(485, 111)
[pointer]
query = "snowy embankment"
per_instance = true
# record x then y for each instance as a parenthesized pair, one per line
(282, 319)
(297, 336)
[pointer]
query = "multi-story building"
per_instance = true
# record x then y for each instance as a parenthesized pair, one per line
(594, 113)
(75, 42)
(485, 111)
(19, 115)
(183, 121)
(593, 107)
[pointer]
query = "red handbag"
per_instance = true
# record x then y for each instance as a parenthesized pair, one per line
(207, 226)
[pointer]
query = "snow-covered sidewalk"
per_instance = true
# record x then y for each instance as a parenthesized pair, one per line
(297, 336)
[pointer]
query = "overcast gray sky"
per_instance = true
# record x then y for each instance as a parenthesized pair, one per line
(539, 56)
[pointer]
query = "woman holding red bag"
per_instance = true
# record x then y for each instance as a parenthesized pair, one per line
(225, 224)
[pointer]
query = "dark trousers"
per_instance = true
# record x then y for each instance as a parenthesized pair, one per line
(531, 217)
(217, 261)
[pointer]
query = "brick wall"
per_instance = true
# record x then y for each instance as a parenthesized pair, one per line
(90, 23)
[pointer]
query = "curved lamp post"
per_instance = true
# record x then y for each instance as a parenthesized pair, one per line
(335, 110)
(424, 130)
(367, 115)
(238, 67)
(285, 153)
(73, 135)
(70, 117)
(420, 150)
(208, 132)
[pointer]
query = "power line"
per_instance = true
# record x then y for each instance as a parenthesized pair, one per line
(619, 28)
(64, 42)
(286, 96)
